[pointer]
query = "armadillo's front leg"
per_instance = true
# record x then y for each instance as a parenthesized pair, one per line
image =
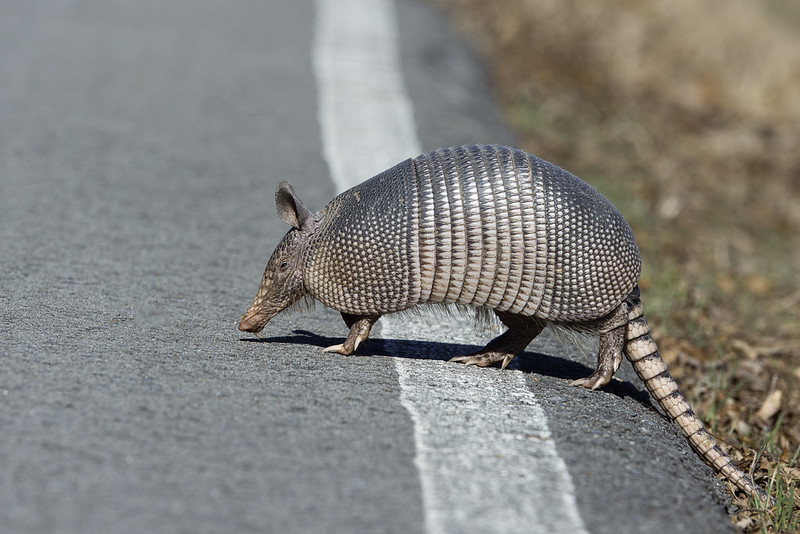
(521, 331)
(359, 325)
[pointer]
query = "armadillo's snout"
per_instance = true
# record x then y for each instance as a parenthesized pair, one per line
(254, 320)
(247, 324)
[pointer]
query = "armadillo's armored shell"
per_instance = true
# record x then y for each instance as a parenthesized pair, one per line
(477, 225)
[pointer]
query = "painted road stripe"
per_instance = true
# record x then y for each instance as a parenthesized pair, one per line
(486, 459)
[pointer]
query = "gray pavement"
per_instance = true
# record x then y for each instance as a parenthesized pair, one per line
(140, 143)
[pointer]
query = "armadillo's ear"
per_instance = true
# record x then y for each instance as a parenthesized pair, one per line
(291, 209)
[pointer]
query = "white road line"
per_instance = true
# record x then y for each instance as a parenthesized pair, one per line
(486, 460)
(366, 118)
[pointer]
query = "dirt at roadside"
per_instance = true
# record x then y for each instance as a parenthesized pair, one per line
(687, 115)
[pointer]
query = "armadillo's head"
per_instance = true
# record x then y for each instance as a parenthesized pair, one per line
(282, 283)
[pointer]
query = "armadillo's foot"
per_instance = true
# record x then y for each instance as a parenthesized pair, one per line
(521, 331)
(593, 381)
(485, 359)
(339, 348)
(360, 325)
(609, 356)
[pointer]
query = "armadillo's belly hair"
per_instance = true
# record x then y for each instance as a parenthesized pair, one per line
(484, 226)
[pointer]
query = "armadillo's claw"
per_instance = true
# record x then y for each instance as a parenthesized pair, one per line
(484, 359)
(506, 361)
(466, 359)
(593, 381)
(336, 348)
(348, 347)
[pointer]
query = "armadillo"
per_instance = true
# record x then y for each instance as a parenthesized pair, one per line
(490, 227)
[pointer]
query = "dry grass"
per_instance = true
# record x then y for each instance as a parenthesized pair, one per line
(687, 115)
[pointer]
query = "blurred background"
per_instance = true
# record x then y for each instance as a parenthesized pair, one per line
(687, 115)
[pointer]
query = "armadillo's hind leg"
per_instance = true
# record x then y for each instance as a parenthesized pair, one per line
(359, 326)
(521, 331)
(609, 354)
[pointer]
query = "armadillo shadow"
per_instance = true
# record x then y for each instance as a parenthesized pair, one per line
(527, 362)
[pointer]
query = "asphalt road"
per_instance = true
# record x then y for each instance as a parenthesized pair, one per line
(140, 144)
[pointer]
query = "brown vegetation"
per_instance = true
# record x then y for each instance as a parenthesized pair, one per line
(687, 115)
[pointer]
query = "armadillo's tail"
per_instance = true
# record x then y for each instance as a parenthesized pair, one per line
(641, 350)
